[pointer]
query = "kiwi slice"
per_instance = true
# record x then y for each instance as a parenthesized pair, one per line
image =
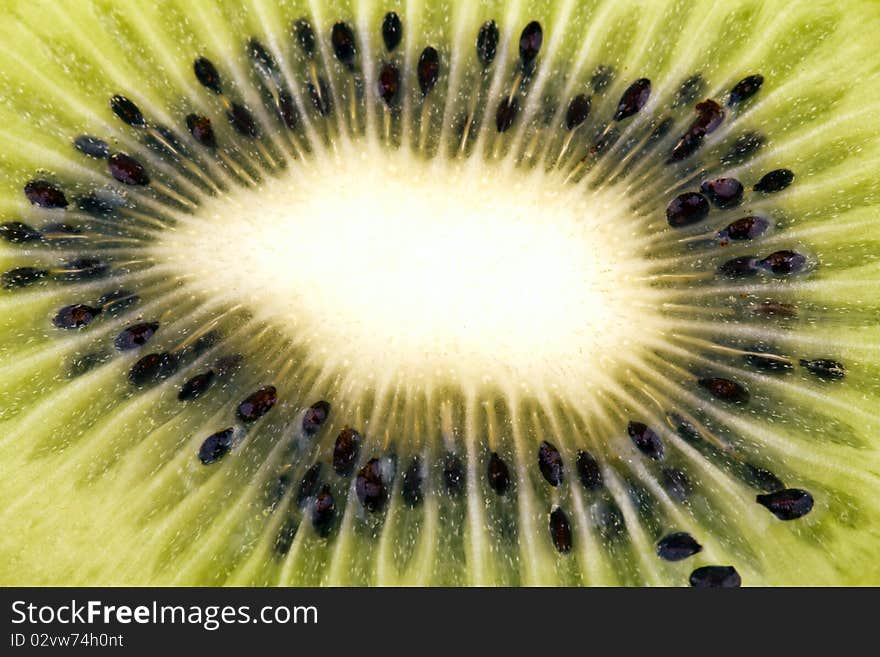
(440, 293)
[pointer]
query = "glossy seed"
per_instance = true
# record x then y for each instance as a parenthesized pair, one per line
(389, 83)
(323, 512)
(314, 417)
(22, 277)
(677, 546)
(487, 42)
(241, 118)
(686, 209)
(746, 228)
(709, 116)
(201, 130)
(715, 577)
(411, 490)
(370, 487)
(725, 389)
(286, 534)
(305, 35)
(740, 267)
(743, 148)
(216, 446)
(127, 111)
(745, 89)
(783, 262)
(560, 530)
(774, 181)
(344, 47)
(153, 367)
(428, 69)
(723, 192)
(689, 90)
(788, 503)
(17, 232)
(92, 146)
(257, 404)
(82, 269)
(499, 475)
(128, 170)
(824, 368)
(762, 479)
(645, 440)
(196, 386)
(589, 471)
(453, 474)
(676, 483)
(550, 463)
(530, 41)
(135, 335)
(207, 75)
(768, 364)
(578, 110)
(345, 451)
(308, 485)
(75, 316)
(633, 99)
(392, 31)
(44, 194)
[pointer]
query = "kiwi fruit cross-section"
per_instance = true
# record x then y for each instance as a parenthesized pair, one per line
(440, 293)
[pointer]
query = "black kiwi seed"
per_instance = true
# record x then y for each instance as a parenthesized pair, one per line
(389, 83)
(788, 503)
(428, 69)
(487, 42)
(686, 209)
(506, 113)
(829, 370)
(243, 121)
(207, 75)
(286, 534)
(216, 446)
(499, 475)
(128, 170)
(676, 483)
(743, 148)
(114, 302)
(739, 267)
(709, 116)
(22, 277)
(633, 99)
(578, 110)
(76, 316)
(746, 228)
(745, 89)
(715, 577)
(153, 367)
(453, 474)
(92, 146)
(783, 262)
(775, 181)
(127, 111)
(645, 439)
(392, 31)
(308, 486)
(135, 335)
(314, 417)
(762, 479)
(257, 404)
(17, 232)
(550, 463)
(345, 451)
(370, 487)
(560, 530)
(305, 35)
(201, 130)
(589, 471)
(689, 90)
(677, 546)
(344, 47)
(725, 389)
(411, 488)
(287, 110)
(324, 511)
(723, 192)
(81, 269)
(196, 386)
(530, 42)
(44, 194)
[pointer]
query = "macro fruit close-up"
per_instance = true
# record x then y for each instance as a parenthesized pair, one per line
(440, 292)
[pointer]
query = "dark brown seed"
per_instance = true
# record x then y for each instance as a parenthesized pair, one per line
(775, 181)
(715, 577)
(633, 99)
(645, 440)
(506, 113)
(201, 129)
(689, 90)
(243, 121)
(135, 336)
(389, 83)
(762, 479)
(829, 370)
(578, 110)
(743, 148)
(428, 69)
(677, 546)
(324, 512)
(560, 530)
(487, 42)
(725, 389)
(741, 267)
(530, 42)
(261, 57)
(118, 300)
(92, 146)
(82, 269)
(22, 277)
(127, 111)
(345, 451)
(344, 46)
(709, 116)
(207, 75)
(308, 486)
(746, 228)
(314, 417)
(216, 446)
(287, 110)
(499, 475)
(153, 367)
(76, 316)
(550, 463)
(676, 483)
(257, 404)
(196, 386)
(768, 364)
(411, 490)
(128, 170)
(392, 31)
(286, 534)
(783, 262)
(370, 487)
(602, 78)
(788, 503)
(44, 194)
(686, 209)
(723, 192)
(17, 232)
(453, 474)
(745, 89)
(306, 36)
(589, 471)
